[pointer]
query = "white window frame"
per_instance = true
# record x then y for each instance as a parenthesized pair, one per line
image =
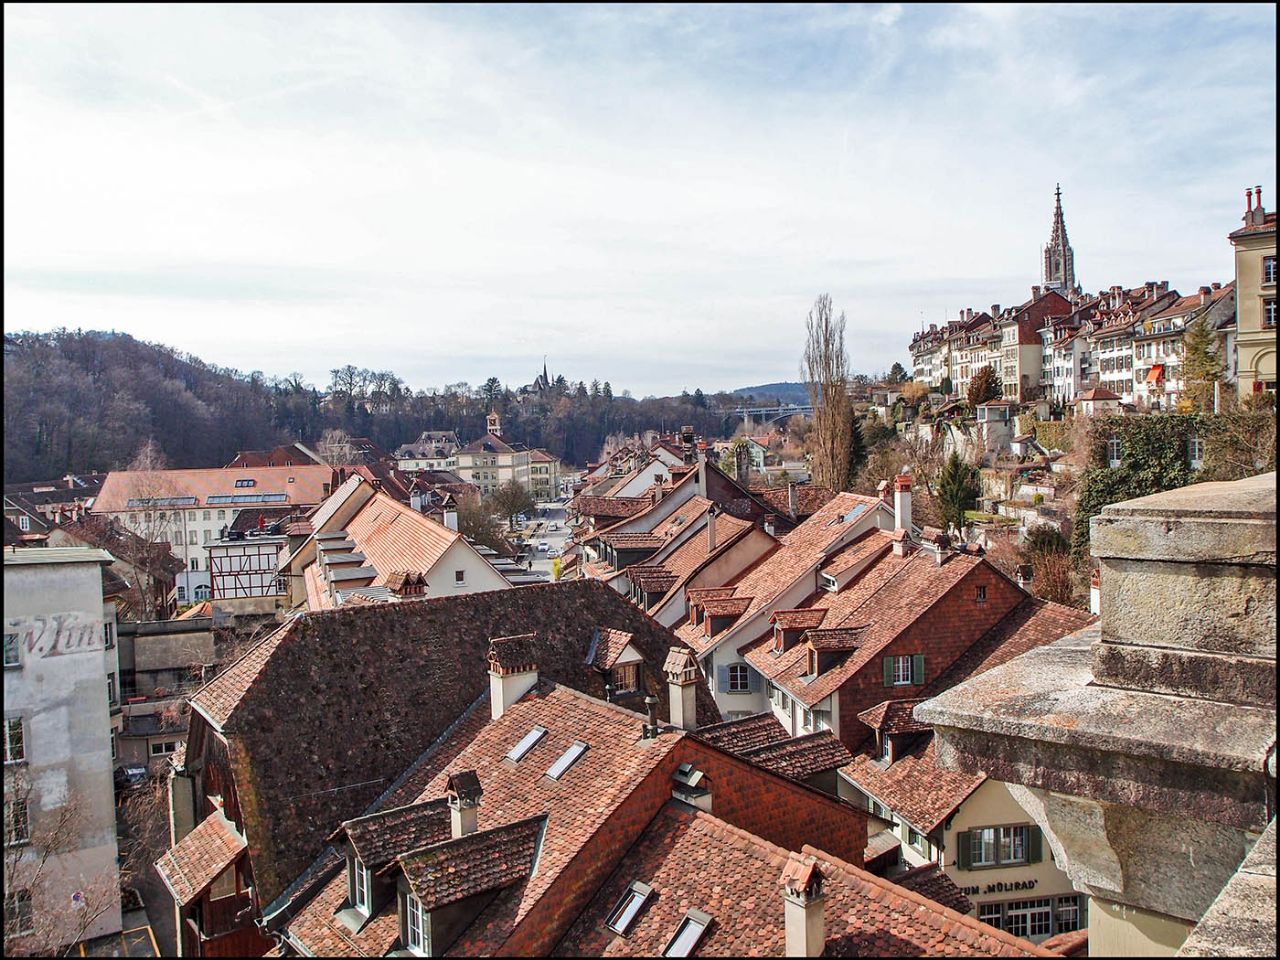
(12, 836)
(13, 908)
(12, 650)
(417, 924)
(902, 671)
(628, 907)
(1114, 452)
(1195, 453)
(166, 747)
(1021, 915)
(739, 670)
(1015, 840)
(1068, 906)
(360, 883)
(24, 522)
(10, 754)
(980, 842)
(991, 914)
(692, 928)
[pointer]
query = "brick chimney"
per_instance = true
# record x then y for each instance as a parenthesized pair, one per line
(711, 528)
(1206, 294)
(513, 671)
(804, 903)
(995, 311)
(463, 795)
(884, 490)
(902, 502)
(1035, 292)
(682, 673)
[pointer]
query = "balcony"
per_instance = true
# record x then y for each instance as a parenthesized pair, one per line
(218, 917)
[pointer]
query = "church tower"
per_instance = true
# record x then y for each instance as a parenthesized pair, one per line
(493, 423)
(1058, 270)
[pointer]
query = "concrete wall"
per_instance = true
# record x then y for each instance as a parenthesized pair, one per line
(59, 690)
(1117, 930)
(479, 574)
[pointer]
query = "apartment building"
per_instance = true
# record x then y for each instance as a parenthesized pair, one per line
(1255, 255)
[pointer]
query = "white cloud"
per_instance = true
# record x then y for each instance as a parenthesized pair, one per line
(651, 196)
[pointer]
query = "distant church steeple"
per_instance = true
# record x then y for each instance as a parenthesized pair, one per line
(1058, 271)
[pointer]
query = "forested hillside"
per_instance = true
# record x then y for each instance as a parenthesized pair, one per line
(86, 401)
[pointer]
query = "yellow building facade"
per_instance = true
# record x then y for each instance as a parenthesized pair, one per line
(1255, 253)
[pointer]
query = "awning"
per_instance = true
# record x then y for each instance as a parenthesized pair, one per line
(1155, 374)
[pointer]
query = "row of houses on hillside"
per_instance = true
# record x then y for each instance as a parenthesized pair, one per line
(1061, 342)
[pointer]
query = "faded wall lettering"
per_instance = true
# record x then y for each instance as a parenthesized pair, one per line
(56, 634)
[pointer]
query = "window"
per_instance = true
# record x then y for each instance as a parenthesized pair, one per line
(191, 537)
(191, 515)
(992, 913)
(24, 523)
(828, 582)
(15, 744)
(807, 718)
(113, 745)
(624, 914)
(18, 915)
(459, 578)
(1268, 269)
(1068, 917)
(1113, 452)
(182, 593)
(901, 671)
(245, 483)
(202, 591)
(195, 563)
(739, 678)
(17, 824)
(417, 931)
(1195, 452)
(885, 747)
(626, 678)
(915, 839)
(1029, 918)
(527, 743)
(1013, 844)
(980, 594)
(206, 516)
(108, 634)
(111, 689)
(567, 760)
(360, 886)
(982, 847)
(779, 644)
(687, 935)
(1268, 313)
(162, 749)
(222, 514)
(11, 650)
(208, 535)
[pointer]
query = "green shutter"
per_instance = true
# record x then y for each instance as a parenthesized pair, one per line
(1034, 845)
(888, 671)
(964, 850)
(917, 669)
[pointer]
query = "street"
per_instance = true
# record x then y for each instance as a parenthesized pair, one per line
(547, 514)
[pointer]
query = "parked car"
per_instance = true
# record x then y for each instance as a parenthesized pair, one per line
(129, 778)
(553, 553)
(522, 519)
(554, 526)
(542, 546)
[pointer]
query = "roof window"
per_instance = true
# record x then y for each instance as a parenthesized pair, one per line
(527, 743)
(628, 908)
(690, 931)
(828, 582)
(246, 483)
(567, 760)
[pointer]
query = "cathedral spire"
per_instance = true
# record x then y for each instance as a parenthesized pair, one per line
(1058, 271)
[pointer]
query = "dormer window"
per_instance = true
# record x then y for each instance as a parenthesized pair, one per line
(828, 582)
(813, 662)
(417, 927)
(886, 748)
(360, 887)
(779, 638)
(246, 483)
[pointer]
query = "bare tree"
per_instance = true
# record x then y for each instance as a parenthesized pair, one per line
(335, 447)
(826, 373)
(47, 910)
(159, 522)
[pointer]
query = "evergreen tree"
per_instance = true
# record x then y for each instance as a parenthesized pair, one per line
(958, 491)
(606, 391)
(1201, 366)
(698, 399)
(984, 387)
(897, 374)
(595, 389)
(857, 448)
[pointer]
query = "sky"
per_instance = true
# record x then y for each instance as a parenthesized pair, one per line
(652, 196)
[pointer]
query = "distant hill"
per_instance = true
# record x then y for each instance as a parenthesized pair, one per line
(784, 392)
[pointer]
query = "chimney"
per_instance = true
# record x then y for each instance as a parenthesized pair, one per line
(742, 466)
(682, 673)
(415, 501)
(1206, 294)
(1095, 591)
(657, 490)
(463, 794)
(770, 524)
(1022, 576)
(793, 501)
(513, 671)
(1248, 200)
(1035, 292)
(451, 518)
(902, 502)
(711, 528)
(692, 787)
(884, 489)
(803, 907)
(995, 311)
(649, 729)
(1216, 285)
(941, 548)
(1257, 201)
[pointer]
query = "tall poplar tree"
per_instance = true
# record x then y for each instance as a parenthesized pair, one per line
(826, 374)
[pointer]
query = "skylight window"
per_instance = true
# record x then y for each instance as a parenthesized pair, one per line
(567, 760)
(527, 743)
(624, 914)
(690, 931)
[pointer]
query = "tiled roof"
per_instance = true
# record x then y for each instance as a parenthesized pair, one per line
(190, 866)
(745, 733)
(201, 610)
(125, 545)
(633, 541)
(395, 537)
(380, 837)
(1072, 944)
(913, 786)
(611, 506)
(807, 619)
(699, 594)
(864, 915)
(122, 485)
(810, 498)
(835, 638)
(1098, 393)
(247, 519)
(1033, 623)
(929, 881)
(609, 649)
(727, 607)
(800, 757)
(404, 672)
(478, 863)
(894, 716)
(489, 443)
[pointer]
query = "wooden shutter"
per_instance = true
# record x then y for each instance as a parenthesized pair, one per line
(1035, 847)
(888, 671)
(917, 669)
(722, 679)
(964, 850)
(753, 681)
